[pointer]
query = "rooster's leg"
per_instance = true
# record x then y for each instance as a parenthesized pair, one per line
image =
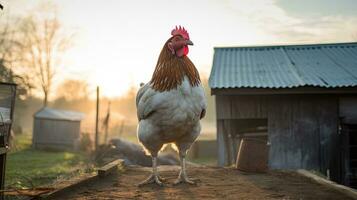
(154, 177)
(183, 178)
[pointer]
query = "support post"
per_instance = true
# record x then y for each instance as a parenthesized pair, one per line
(97, 121)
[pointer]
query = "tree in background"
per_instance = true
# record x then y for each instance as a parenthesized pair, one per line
(43, 41)
(31, 46)
(73, 94)
(10, 55)
(10, 59)
(72, 89)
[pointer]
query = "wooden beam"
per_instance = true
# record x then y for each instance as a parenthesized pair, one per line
(109, 168)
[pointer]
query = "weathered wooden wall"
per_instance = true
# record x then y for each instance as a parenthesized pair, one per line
(303, 133)
(59, 134)
(302, 129)
(229, 109)
(348, 109)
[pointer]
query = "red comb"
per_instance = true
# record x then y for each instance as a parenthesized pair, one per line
(180, 31)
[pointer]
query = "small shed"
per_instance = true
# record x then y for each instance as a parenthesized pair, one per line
(300, 99)
(56, 129)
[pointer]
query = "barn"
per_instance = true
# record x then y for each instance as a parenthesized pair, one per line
(56, 129)
(300, 99)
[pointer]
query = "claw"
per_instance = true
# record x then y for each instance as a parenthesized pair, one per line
(161, 179)
(152, 179)
(185, 179)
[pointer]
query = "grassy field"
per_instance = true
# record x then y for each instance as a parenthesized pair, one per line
(27, 167)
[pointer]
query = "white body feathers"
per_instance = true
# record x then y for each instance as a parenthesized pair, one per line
(170, 116)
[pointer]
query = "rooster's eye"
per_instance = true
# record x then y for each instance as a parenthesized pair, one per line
(176, 39)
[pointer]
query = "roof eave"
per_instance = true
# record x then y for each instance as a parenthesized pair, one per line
(295, 90)
(283, 45)
(59, 119)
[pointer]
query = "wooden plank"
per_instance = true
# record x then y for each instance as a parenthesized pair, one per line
(348, 109)
(249, 107)
(279, 132)
(301, 131)
(223, 107)
(306, 131)
(102, 172)
(230, 129)
(227, 133)
(257, 134)
(341, 188)
(110, 168)
(221, 149)
(330, 151)
(235, 146)
(345, 155)
(69, 188)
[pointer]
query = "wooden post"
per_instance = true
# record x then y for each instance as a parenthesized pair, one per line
(221, 145)
(97, 121)
(106, 124)
(121, 128)
(2, 171)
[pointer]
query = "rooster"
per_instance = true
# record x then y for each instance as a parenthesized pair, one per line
(170, 106)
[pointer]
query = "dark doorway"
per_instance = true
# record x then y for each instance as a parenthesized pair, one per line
(349, 155)
(248, 128)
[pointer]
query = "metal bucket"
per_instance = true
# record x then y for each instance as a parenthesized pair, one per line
(252, 155)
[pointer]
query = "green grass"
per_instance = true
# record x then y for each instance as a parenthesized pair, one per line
(27, 167)
(21, 142)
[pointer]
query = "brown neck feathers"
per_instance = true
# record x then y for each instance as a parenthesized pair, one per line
(170, 71)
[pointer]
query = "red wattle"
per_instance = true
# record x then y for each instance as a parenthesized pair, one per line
(182, 52)
(185, 50)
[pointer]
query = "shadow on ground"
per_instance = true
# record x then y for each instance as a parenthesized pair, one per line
(215, 183)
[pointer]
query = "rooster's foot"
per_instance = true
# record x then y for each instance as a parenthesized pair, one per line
(152, 179)
(161, 179)
(185, 179)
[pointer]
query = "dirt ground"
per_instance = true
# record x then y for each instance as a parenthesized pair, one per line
(214, 183)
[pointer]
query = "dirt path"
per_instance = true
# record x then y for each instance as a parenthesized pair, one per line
(215, 183)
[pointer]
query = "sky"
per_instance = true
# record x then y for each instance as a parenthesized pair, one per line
(116, 43)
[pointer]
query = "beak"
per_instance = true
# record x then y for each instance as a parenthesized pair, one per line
(189, 42)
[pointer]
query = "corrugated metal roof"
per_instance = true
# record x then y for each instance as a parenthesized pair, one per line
(285, 66)
(50, 113)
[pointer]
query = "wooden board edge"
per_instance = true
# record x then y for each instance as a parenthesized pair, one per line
(110, 167)
(68, 188)
(106, 169)
(341, 188)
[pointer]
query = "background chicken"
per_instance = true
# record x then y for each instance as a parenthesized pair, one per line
(170, 106)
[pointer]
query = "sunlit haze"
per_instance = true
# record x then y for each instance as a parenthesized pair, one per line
(116, 43)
